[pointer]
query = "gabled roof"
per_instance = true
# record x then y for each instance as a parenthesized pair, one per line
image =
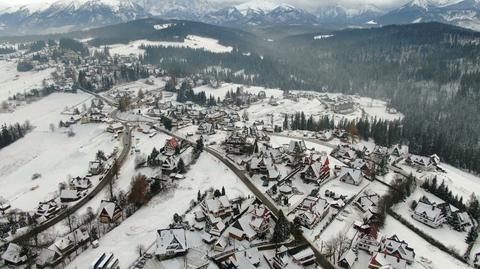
(432, 212)
(354, 174)
(394, 246)
(14, 254)
(383, 260)
(171, 240)
(109, 208)
(349, 257)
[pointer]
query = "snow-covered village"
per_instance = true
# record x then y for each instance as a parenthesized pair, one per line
(108, 161)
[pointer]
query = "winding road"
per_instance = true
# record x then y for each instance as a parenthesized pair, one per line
(107, 177)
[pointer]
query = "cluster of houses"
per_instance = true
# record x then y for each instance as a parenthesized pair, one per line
(341, 104)
(237, 242)
(77, 188)
(384, 251)
(220, 224)
(54, 255)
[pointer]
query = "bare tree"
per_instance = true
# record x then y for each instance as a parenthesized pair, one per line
(141, 249)
(52, 127)
(337, 246)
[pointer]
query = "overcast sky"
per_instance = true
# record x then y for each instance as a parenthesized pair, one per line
(300, 3)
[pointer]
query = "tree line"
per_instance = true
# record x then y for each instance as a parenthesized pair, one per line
(13, 132)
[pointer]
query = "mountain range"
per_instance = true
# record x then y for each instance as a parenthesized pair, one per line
(66, 15)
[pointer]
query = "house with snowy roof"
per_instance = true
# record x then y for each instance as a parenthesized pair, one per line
(420, 161)
(110, 212)
(296, 146)
(205, 128)
(398, 248)
(80, 183)
(429, 214)
(95, 167)
(316, 171)
(168, 163)
(247, 259)
(254, 223)
(348, 259)
(170, 243)
(219, 207)
(385, 261)
(282, 260)
(304, 257)
(14, 255)
(67, 196)
(344, 152)
(350, 176)
(367, 200)
(264, 164)
(398, 150)
(46, 210)
(312, 210)
(368, 238)
(362, 165)
(238, 143)
(172, 146)
(216, 225)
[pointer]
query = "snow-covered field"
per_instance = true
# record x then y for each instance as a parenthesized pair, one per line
(377, 108)
(191, 41)
(461, 183)
(52, 154)
(141, 227)
(13, 82)
(226, 87)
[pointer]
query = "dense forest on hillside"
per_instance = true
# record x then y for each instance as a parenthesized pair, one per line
(430, 72)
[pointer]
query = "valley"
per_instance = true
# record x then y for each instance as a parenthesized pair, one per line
(210, 137)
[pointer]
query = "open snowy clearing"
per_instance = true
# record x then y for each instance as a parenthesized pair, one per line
(54, 155)
(191, 42)
(221, 91)
(14, 82)
(141, 227)
(47, 110)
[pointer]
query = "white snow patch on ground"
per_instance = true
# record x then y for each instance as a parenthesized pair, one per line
(52, 154)
(226, 87)
(318, 37)
(14, 82)
(159, 27)
(191, 41)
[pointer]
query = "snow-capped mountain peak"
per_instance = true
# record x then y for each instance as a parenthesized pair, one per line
(258, 6)
(425, 4)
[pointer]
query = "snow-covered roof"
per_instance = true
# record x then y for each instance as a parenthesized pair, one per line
(13, 254)
(397, 247)
(171, 240)
(108, 207)
(383, 260)
(349, 257)
(431, 212)
(251, 223)
(354, 174)
(215, 205)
